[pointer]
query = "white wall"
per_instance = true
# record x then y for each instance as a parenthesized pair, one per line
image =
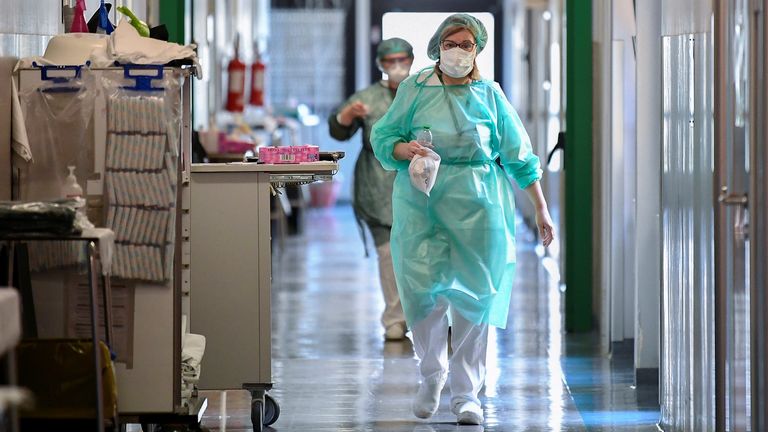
(624, 30)
(602, 37)
(615, 155)
(648, 255)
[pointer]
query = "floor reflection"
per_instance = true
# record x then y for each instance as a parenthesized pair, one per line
(334, 372)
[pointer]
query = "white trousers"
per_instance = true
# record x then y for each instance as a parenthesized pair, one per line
(466, 366)
(393, 310)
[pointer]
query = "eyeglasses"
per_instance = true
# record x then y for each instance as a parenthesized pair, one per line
(449, 45)
(393, 60)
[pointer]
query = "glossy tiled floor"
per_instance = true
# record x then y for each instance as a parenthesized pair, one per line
(333, 371)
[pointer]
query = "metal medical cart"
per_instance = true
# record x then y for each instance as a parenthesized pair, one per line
(94, 260)
(231, 274)
(150, 388)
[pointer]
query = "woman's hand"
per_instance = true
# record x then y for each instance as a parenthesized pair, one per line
(545, 225)
(543, 220)
(406, 151)
(351, 112)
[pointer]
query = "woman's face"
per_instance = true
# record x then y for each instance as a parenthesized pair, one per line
(463, 35)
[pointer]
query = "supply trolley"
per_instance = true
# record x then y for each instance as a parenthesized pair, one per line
(232, 275)
(126, 129)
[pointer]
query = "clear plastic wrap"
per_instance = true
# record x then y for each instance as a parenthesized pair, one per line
(58, 114)
(59, 119)
(141, 170)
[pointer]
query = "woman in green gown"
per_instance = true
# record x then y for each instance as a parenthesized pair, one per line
(454, 250)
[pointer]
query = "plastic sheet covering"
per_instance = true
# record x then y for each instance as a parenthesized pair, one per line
(687, 362)
(61, 377)
(143, 126)
(58, 118)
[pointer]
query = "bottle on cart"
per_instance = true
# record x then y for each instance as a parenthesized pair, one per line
(78, 20)
(72, 190)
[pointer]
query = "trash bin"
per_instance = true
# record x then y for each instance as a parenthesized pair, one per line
(324, 194)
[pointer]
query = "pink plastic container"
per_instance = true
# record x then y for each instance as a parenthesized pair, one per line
(289, 154)
(312, 153)
(268, 155)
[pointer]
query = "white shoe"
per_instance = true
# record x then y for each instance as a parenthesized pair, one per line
(395, 332)
(428, 397)
(468, 413)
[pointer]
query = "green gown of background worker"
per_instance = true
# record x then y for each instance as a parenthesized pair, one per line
(372, 191)
(459, 242)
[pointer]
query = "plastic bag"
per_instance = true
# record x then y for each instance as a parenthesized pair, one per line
(423, 171)
(61, 376)
(141, 170)
(58, 115)
(59, 120)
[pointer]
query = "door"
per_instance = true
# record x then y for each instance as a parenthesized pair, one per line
(758, 214)
(739, 296)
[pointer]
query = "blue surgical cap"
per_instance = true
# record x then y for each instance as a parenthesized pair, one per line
(392, 46)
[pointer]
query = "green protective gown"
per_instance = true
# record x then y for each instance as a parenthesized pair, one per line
(372, 190)
(459, 242)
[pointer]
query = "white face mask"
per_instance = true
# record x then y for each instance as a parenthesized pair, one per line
(456, 63)
(397, 73)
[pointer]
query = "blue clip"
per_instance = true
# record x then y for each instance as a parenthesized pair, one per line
(44, 76)
(143, 82)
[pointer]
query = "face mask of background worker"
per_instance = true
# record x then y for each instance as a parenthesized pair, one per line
(397, 73)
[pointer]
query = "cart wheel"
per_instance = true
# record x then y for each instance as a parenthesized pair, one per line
(257, 414)
(271, 410)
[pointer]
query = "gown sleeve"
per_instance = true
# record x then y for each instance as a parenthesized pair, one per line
(515, 149)
(392, 128)
(337, 130)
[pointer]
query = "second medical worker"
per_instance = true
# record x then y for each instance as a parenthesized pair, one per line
(372, 192)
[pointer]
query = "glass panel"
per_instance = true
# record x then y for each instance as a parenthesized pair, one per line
(687, 234)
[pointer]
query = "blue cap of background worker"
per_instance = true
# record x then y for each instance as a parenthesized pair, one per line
(453, 22)
(392, 46)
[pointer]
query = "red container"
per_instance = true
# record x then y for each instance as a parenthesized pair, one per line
(324, 194)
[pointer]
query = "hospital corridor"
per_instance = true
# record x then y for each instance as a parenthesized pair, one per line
(384, 215)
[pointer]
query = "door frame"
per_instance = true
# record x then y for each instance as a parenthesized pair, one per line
(494, 7)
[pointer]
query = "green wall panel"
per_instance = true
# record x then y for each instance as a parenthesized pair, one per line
(578, 167)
